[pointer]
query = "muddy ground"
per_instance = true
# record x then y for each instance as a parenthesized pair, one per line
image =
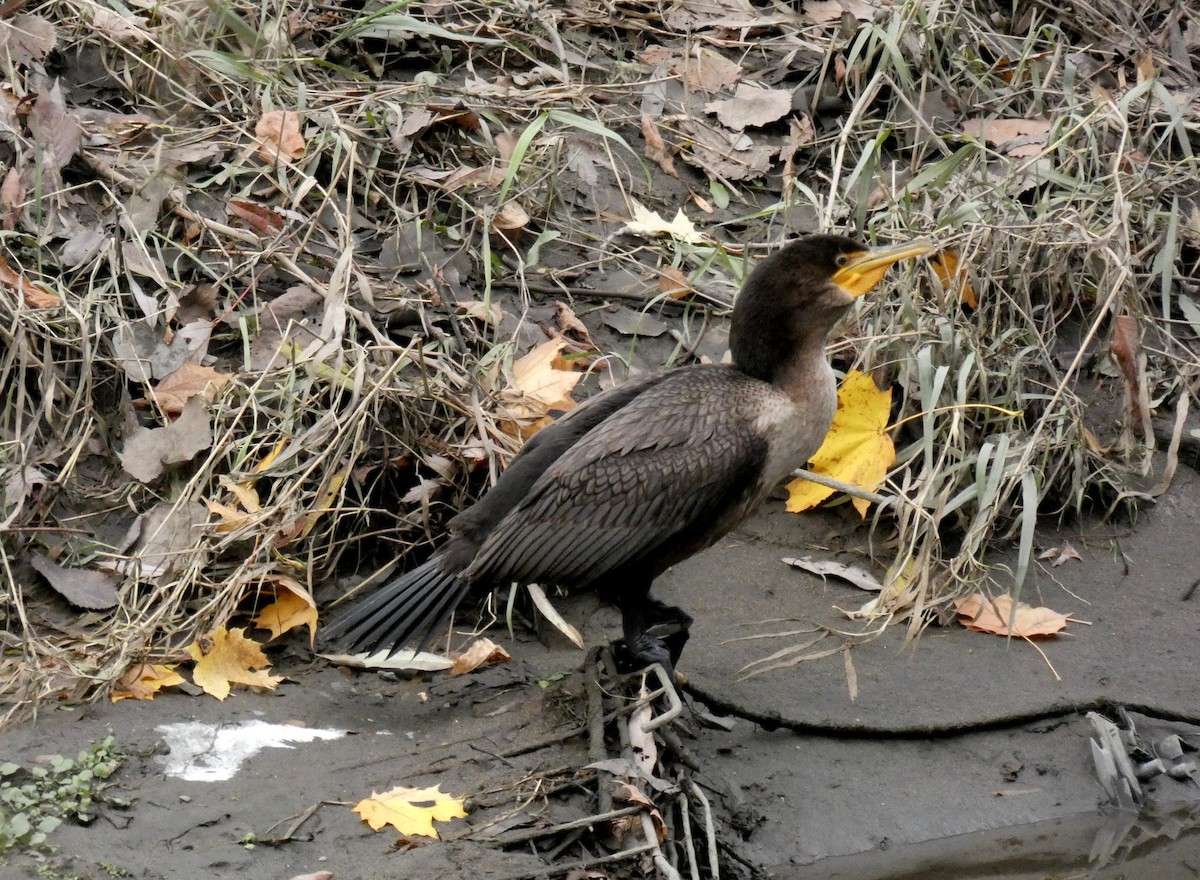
(961, 754)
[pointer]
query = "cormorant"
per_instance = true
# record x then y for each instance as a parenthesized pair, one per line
(642, 476)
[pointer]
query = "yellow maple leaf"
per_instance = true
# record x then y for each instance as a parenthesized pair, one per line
(539, 385)
(144, 680)
(410, 810)
(293, 606)
(857, 450)
(225, 657)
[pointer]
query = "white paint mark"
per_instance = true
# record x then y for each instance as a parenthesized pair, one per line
(202, 752)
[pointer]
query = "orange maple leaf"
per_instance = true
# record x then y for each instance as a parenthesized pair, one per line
(980, 613)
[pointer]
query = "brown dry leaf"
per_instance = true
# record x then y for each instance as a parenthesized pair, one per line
(262, 220)
(226, 657)
(190, 380)
(56, 130)
(674, 283)
(26, 39)
(627, 793)
(857, 450)
(12, 195)
(81, 587)
(278, 133)
(148, 452)
(657, 150)
(826, 11)
(144, 680)
(478, 653)
(725, 154)
(949, 271)
(570, 325)
(510, 218)
(1016, 137)
(159, 540)
(710, 71)
(293, 606)
(1126, 348)
(979, 613)
(411, 811)
(34, 296)
(751, 107)
(1061, 555)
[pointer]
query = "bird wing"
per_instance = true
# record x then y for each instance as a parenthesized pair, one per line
(656, 481)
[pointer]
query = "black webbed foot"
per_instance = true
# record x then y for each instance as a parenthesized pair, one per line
(646, 650)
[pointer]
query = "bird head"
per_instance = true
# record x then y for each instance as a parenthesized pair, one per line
(795, 296)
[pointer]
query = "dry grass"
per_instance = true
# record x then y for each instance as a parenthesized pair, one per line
(423, 124)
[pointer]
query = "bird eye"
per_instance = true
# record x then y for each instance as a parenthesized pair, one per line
(842, 260)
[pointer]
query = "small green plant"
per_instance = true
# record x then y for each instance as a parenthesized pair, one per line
(35, 800)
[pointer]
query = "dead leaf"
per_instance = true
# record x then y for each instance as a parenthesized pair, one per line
(1061, 555)
(278, 133)
(709, 71)
(656, 148)
(1016, 137)
(551, 614)
(293, 606)
(34, 296)
(629, 322)
(828, 11)
(510, 219)
(143, 681)
(81, 587)
(751, 107)
(226, 657)
(26, 40)
(674, 283)
(12, 196)
(948, 270)
(262, 220)
(148, 452)
(190, 380)
(857, 450)
(158, 540)
(411, 811)
(725, 154)
(852, 574)
(979, 613)
(539, 386)
(478, 653)
(56, 131)
(651, 225)
(1126, 348)
(570, 325)
(627, 793)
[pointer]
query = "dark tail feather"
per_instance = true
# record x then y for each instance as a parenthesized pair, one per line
(402, 613)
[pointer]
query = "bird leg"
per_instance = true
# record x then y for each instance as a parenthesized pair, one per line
(645, 648)
(671, 624)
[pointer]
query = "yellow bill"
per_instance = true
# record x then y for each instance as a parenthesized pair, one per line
(865, 269)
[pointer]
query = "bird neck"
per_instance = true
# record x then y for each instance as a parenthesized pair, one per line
(772, 340)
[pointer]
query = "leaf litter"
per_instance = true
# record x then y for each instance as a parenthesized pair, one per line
(338, 223)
